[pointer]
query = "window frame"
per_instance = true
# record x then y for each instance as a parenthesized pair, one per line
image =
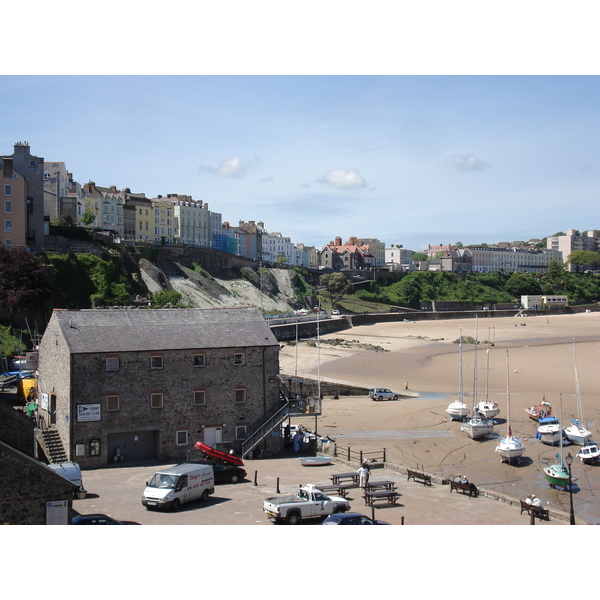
(178, 433)
(8, 189)
(197, 361)
(111, 359)
(118, 399)
(157, 395)
(157, 357)
(243, 390)
(242, 361)
(8, 207)
(200, 391)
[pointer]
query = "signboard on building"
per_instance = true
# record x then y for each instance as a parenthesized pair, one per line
(57, 512)
(88, 412)
(31, 360)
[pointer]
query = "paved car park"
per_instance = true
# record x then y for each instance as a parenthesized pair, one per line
(116, 491)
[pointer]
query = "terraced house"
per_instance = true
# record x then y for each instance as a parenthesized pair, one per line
(141, 384)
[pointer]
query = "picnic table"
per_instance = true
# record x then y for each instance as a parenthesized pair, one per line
(354, 477)
(373, 486)
(340, 488)
(390, 496)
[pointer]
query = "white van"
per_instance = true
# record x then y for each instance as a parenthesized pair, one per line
(72, 472)
(173, 486)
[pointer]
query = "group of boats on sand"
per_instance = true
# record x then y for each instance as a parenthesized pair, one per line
(550, 431)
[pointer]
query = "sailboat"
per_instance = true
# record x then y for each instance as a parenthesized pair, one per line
(457, 409)
(558, 474)
(478, 425)
(487, 407)
(509, 447)
(576, 432)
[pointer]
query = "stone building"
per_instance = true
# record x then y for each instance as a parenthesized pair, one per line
(32, 494)
(141, 384)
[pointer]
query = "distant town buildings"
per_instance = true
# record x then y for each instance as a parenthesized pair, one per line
(36, 193)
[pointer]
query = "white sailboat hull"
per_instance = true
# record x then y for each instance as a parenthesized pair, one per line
(578, 435)
(510, 447)
(477, 428)
(457, 410)
(488, 409)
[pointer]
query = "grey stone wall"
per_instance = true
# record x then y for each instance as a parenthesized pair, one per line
(135, 382)
(26, 478)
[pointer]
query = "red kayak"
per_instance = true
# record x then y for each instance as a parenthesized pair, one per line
(212, 453)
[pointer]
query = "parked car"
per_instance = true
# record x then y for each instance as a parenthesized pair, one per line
(382, 394)
(351, 519)
(224, 473)
(97, 520)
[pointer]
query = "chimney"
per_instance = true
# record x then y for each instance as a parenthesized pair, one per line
(338, 241)
(8, 166)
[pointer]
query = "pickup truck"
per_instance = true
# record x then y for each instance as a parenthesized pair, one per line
(309, 502)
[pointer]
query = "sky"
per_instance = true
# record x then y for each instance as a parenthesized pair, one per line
(416, 158)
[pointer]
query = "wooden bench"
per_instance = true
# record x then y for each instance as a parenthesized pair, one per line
(389, 496)
(353, 477)
(465, 488)
(373, 486)
(426, 479)
(537, 511)
(339, 489)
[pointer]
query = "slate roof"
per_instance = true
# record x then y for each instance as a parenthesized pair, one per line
(132, 330)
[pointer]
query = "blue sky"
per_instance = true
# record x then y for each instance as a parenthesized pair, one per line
(409, 159)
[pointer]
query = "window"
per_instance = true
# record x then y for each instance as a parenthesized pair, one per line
(112, 364)
(8, 206)
(200, 360)
(156, 362)
(112, 402)
(156, 400)
(240, 395)
(239, 359)
(8, 189)
(8, 226)
(181, 439)
(240, 432)
(199, 397)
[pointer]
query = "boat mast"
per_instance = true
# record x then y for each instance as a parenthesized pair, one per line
(460, 376)
(475, 365)
(577, 396)
(508, 429)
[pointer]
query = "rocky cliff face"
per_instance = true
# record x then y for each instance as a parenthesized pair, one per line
(199, 289)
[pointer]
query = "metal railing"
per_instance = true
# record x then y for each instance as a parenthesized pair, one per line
(359, 455)
(253, 440)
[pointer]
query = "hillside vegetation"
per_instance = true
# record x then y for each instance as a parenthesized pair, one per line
(151, 277)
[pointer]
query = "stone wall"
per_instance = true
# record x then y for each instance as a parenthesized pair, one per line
(25, 478)
(134, 383)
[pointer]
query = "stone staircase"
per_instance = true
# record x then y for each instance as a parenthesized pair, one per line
(52, 445)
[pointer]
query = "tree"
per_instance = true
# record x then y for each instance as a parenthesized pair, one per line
(24, 281)
(336, 285)
(88, 216)
(581, 259)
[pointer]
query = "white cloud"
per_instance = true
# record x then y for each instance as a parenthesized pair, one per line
(234, 167)
(468, 163)
(343, 180)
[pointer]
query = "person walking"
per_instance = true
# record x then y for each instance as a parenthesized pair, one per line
(363, 474)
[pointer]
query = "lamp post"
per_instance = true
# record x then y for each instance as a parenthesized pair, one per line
(569, 461)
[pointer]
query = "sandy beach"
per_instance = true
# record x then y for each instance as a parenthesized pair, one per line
(417, 432)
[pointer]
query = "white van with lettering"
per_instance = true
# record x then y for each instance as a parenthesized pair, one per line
(173, 486)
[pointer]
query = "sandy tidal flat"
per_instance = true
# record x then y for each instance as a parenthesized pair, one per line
(543, 355)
